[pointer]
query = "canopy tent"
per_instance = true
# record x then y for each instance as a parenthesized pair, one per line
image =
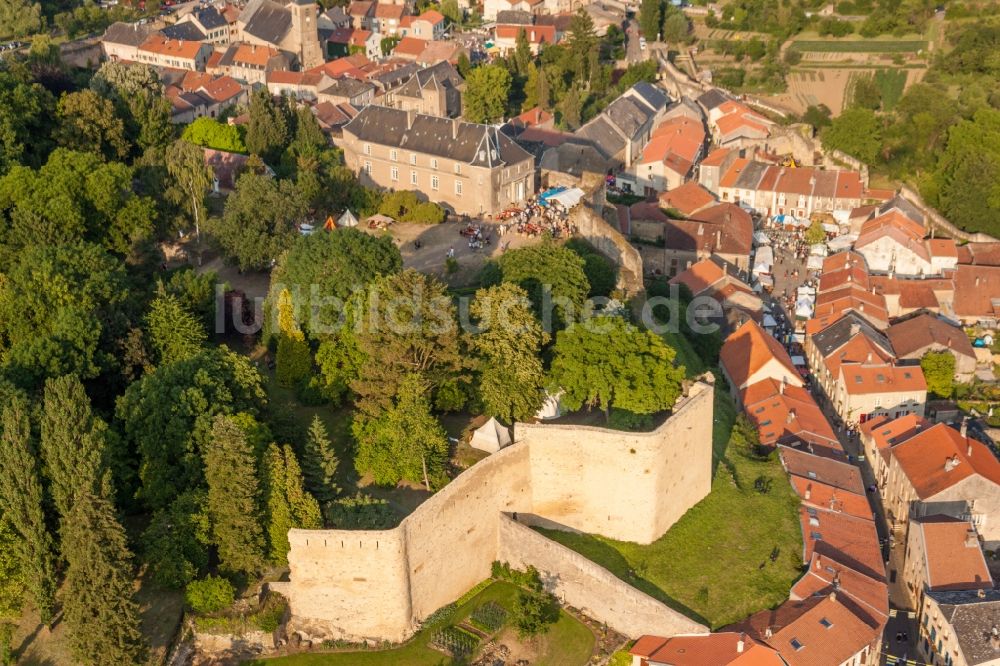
(551, 408)
(831, 228)
(818, 249)
(761, 238)
(568, 198)
(804, 308)
(763, 280)
(763, 260)
(770, 321)
(347, 219)
(490, 437)
(805, 291)
(842, 216)
(843, 242)
(814, 263)
(798, 360)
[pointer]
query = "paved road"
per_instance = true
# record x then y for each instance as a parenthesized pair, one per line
(633, 52)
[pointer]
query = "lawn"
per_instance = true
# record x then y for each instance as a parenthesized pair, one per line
(567, 643)
(715, 565)
(859, 46)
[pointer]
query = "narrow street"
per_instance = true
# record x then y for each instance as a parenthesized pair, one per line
(901, 631)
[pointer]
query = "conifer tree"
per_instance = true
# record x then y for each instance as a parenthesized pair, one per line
(319, 463)
(100, 611)
(287, 504)
(21, 503)
(175, 333)
(73, 443)
(233, 493)
(293, 359)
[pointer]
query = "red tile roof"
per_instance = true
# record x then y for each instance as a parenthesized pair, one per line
(410, 46)
(977, 291)
(825, 574)
(687, 199)
(847, 538)
(886, 432)
(918, 333)
(719, 649)
(789, 415)
(716, 157)
(536, 34)
(386, 11)
(177, 48)
(953, 555)
(253, 54)
(748, 350)
(432, 16)
(939, 457)
(831, 472)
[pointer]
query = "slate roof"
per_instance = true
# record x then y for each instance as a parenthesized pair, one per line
(185, 30)
(713, 98)
(840, 332)
(652, 95)
(603, 136)
(209, 17)
(347, 87)
(973, 619)
(266, 20)
(904, 206)
(627, 115)
(474, 144)
(130, 34)
(513, 17)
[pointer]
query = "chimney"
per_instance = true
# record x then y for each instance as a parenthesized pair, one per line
(767, 632)
(981, 593)
(410, 116)
(781, 389)
(971, 539)
(791, 416)
(950, 463)
(819, 564)
(855, 329)
(833, 596)
(718, 238)
(964, 429)
(740, 644)
(977, 280)
(809, 493)
(869, 359)
(454, 128)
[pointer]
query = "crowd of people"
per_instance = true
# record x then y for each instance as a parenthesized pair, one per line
(535, 219)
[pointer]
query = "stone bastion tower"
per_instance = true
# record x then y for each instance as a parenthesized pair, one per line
(360, 585)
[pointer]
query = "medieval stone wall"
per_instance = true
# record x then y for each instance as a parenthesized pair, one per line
(359, 585)
(580, 583)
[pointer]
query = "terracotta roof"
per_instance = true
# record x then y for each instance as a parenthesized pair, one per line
(831, 472)
(887, 432)
(687, 199)
(748, 350)
(915, 294)
(348, 65)
(843, 268)
(716, 157)
(850, 539)
(700, 275)
(222, 89)
(359, 8)
(897, 226)
(535, 116)
(977, 291)
(865, 379)
(724, 228)
(410, 46)
(360, 37)
(826, 574)
(536, 34)
(852, 296)
(432, 16)
(253, 54)
(789, 415)
(177, 48)
(923, 331)
(821, 496)
(983, 254)
(386, 11)
(735, 121)
(813, 632)
(718, 649)
(939, 457)
(733, 173)
(953, 555)
(681, 136)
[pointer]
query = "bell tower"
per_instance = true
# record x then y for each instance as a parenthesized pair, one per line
(305, 33)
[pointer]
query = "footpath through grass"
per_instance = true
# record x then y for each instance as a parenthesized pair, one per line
(715, 564)
(568, 642)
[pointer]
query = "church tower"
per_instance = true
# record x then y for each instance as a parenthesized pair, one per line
(305, 33)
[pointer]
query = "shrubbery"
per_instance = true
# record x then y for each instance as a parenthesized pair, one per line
(210, 133)
(209, 595)
(405, 206)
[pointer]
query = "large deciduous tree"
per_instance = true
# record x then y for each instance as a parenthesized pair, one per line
(487, 90)
(548, 268)
(259, 221)
(22, 501)
(186, 166)
(512, 379)
(233, 496)
(939, 373)
(857, 132)
(20, 18)
(606, 362)
(88, 123)
(404, 441)
(98, 605)
(267, 127)
(167, 417)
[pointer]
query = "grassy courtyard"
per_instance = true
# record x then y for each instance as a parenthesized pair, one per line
(715, 564)
(568, 642)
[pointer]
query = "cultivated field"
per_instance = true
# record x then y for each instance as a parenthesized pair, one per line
(859, 46)
(832, 86)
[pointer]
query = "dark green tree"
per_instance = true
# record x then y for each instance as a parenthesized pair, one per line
(186, 165)
(267, 128)
(73, 444)
(233, 496)
(939, 373)
(512, 379)
(98, 605)
(606, 362)
(176, 543)
(22, 501)
(403, 441)
(548, 268)
(857, 132)
(583, 44)
(260, 220)
(487, 91)
(174, 333)
(522, 53)
(650, 18)
(286, 503)
(167, 417)
(319, 463)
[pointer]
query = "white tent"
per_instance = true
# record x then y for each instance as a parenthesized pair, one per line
(814, 262)
(568, 198)
(761, 238)
(551, 408)
(831, 228)
(818, 249)
(770, 321)
(804, 308)
(490, 437)
(842, 242)
(347, 220)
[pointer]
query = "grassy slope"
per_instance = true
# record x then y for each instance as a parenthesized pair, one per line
(567, 643)
(859, 46)
(714, 564)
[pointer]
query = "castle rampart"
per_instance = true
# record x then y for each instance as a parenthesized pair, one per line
(359, 585)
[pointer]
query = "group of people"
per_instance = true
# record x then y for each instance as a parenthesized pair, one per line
(535, 219)
(477, 238)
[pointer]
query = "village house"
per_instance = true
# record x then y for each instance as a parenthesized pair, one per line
(159, 51)
(944, 553)
(786, 414)
(751, 355)
(719, 649)
(434, 91)
(538, 36)
(686, 200)
(430, 25)
(300, 85)
(723, 229)
(714, 166)
(195, 95)
(825, 574)
(893, 243)
(940, 470)
(714, 278)
(960, 628)
(493, 7)
(854, 366)
(209, 22)
(879, 434)
(913, 338)
(668, 159)
(733, 123)
(625, 126)
(250, 63)
(289, 26)
(121, 41)
(362, 14)
(387, 18)
(799, 192)
(469, 168)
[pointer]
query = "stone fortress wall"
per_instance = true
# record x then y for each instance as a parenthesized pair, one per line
(360, 585)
